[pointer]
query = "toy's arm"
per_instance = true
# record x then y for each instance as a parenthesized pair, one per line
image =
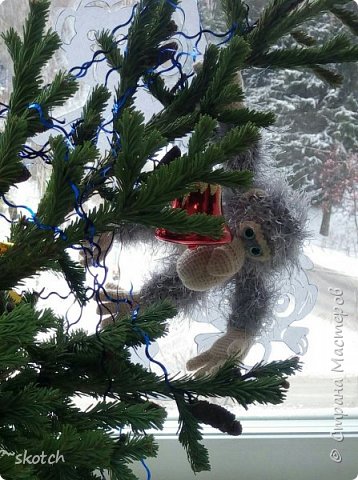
(250, 159)
(251, 302)
(234, 343)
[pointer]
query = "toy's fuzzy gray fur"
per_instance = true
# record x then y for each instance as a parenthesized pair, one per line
(281, 213)
(253, 291)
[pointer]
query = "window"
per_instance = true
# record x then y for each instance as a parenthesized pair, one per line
(316, 316)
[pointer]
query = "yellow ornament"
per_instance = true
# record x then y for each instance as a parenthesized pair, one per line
(15, 297)
(4, 247)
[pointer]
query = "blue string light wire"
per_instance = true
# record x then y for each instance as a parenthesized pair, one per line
(4, 110)
(34, 218)
(83, 69)
(149, 475)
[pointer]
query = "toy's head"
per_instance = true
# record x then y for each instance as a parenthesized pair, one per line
(270, 223)
(268, 229)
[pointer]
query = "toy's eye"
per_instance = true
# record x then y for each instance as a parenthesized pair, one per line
(255, 251)
(249, 233)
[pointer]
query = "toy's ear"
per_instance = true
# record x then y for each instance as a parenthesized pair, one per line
(226, 260)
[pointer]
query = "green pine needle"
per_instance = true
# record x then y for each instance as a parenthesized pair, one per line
(334, 79)
(107, 43)
(235, 13)
(75, 276)
(280, 368)
(201, 135)
(347, 17)
(282, 17)
(140, 416)
(67, 169)
(11, 141)
(157, 88)
(177, 220)
(337, 50)
(229, 179)
(223, 88)
(63, 87)
(240, 116)
(92, 116)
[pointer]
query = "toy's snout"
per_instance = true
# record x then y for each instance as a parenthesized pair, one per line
(206, 267)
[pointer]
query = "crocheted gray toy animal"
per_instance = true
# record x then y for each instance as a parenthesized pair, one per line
(268, 227)
(267, 223)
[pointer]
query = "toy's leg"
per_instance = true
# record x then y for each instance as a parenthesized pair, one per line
(164, 285)
(114, 301)
(167, 285)
(249, 160)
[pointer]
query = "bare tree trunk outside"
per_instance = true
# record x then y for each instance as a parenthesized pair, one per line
(326, 218)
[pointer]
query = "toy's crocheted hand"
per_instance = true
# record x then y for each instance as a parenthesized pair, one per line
(205, 267)
(110, 308)
(235, 343)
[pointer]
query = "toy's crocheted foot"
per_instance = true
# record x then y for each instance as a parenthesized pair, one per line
(114, 302)
(235, 343)
(105, 241)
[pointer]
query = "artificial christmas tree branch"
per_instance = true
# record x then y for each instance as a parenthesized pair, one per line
(40, 376)
(282, 16)
(151, 25)
(131, 214)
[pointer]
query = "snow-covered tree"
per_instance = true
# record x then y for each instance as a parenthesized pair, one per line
(317, 123)
(336, 180)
